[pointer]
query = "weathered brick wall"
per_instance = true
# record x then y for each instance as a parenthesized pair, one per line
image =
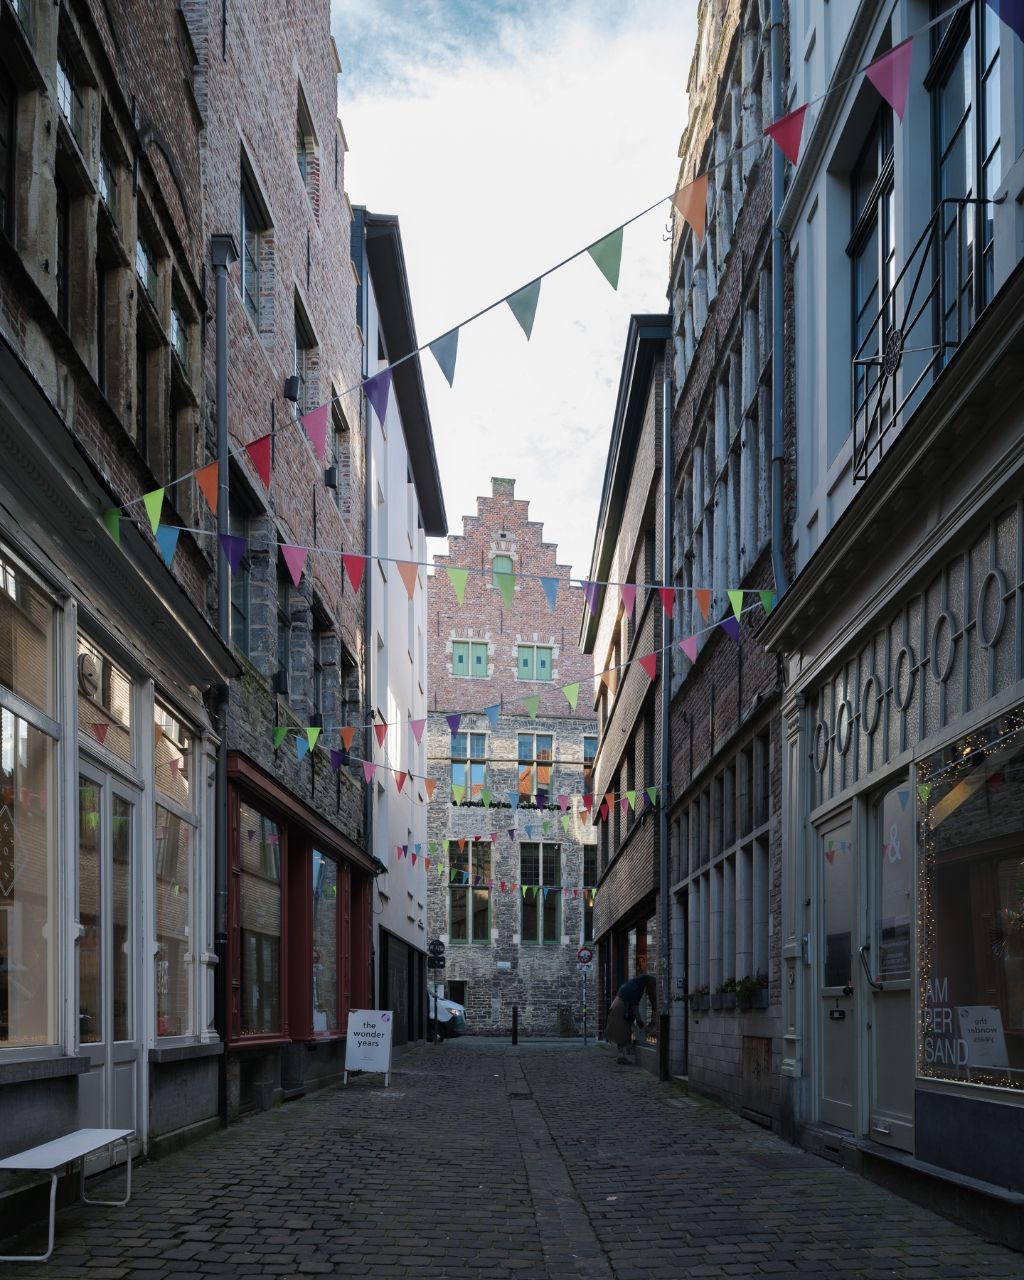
(543, 981)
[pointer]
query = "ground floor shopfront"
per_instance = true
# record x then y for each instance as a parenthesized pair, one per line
(629, 946)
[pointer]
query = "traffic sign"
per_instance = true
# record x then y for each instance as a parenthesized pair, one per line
(585, 955)
(586, 968)
(435, 962)
(436, 948)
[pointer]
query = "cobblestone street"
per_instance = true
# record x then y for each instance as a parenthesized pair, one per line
(483, 1160)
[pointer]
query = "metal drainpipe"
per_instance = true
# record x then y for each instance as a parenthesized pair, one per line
(223, 252)
(665, 930)
(778, 440)
(369, 650)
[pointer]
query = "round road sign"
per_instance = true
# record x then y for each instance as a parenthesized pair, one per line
(585, 955)
(436, 948)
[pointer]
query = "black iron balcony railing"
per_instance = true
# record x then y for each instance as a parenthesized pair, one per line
(926, 314)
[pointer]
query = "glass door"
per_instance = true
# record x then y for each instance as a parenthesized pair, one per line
(839, 1076)
(108, 952)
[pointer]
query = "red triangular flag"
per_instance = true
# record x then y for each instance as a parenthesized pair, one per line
(692, 203)
(259, 455)
(315, 423)
(407, 571)
(354, 566)
(295, 559)
(668, 599)
(347, 737)
(588, 803)
(604, 810)
(381, 730)
(787, 132)
(400, 779)
(101, 731)
(649, 662)
(890, 74)
(206, 479)
(703, 597)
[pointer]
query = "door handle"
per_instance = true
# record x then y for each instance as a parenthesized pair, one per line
(862, 952)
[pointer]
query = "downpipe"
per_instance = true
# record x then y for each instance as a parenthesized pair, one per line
(778, 434)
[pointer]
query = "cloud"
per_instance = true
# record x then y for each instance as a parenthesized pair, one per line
(507, 138)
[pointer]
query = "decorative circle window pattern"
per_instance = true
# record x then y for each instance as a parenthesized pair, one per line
(844, 726)
(871, 703)
(942, 664)
(903, 678)
(996, 578)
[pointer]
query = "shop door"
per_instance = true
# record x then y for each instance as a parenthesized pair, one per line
(837, 977)
(108, 952)
(885, 959)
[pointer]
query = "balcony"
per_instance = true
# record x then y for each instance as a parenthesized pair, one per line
(928, 311)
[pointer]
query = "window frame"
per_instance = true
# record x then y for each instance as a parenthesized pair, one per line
(529, 673)
(254, 222)
(537, 900)
(468, 759)
(469, 891)
(534, 763)
(472, 648)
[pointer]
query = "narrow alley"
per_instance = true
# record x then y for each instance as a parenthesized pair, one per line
(547, 1160)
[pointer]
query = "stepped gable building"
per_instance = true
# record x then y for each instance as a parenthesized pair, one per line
(511, 901)
(726, 761)
(109, 669)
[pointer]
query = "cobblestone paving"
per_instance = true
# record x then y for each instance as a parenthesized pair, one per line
(547, 1162)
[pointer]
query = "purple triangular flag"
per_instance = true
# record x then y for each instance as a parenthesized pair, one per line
(336, 759)
(233, 547)
(731, 627)
(590, 590)
(1012, 13)
(378, 389)
(550, 586)
(453, 723)
(511, 833)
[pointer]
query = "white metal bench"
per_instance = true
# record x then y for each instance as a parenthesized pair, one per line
(51, 1157)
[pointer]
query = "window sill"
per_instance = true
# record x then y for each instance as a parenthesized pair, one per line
(330, 1037)
(259, 1042)
(32, 1069)
(185, 1052)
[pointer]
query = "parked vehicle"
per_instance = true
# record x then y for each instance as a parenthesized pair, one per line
(451, 1017)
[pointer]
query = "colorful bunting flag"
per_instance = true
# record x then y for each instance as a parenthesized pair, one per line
(400, 778)
(607, 253)
(649, 662)
(1012, 13)
(369, 769)
(787, 132)
(154, 504)
(295, 559)
(233, 547)
(736, 600)
(668, 599)
(378, 389)
(280, 733)
(354, 566)
(381, 730)
(207, 479)
(628, 593)
(523, 305)
(348, 734)
(631, 798)
(652, 795)
(100, 731)
(458, 791)
(445, 350)
(417, 727)
(566, 821)
(167, 541)
(563, 803)
(572, 693)
(590, 594)
(703, 597)
(689, 647)
(532, 704)
(458, 579)
(409, 574)
(312, 735)
(506, 584)
(259, 456)
(890, 74)
(492, 713)
(550, 586)
(731, 627)
(453, 723)
(112, 520)
(430, 786)
(301, 747)
(315, 424)
(692, 202)
(924, 791)
(768, 599)
(336, 759)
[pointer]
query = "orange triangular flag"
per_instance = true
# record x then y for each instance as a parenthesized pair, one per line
(431, 786)
(206, 479)
(407, 572)
(348, 736)
(606, 676)
(692, 203)
(703, 597)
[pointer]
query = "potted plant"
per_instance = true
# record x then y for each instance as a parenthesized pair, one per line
(729, 991)
(702, 998)
(752, 992)
(716, 999)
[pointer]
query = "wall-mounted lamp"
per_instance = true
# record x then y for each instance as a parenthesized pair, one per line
(291, 388)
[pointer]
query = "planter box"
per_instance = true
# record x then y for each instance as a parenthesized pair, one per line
(716, 1001)
(759, 1000)
(728, 999)
(702, 1003)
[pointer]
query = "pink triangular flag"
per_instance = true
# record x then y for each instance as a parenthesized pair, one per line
(787, 132)
(369, 769)
(259, 454)
(890, 74)
(628, 592)
(689, 647)
(400, 778)
(381, 730)
(295, 559)
(649, 662)
(354, 566)
(315, 423)
(417, 727)
(563, 803)
(668, 599)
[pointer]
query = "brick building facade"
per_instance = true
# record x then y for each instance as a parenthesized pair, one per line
(507, 947)
(726, 751)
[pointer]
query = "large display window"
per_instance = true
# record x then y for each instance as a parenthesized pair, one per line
(971, 919)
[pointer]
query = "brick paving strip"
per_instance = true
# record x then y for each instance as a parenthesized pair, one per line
(482, 1162)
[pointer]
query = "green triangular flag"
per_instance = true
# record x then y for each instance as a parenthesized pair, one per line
(572, 693)
(506, 584)
(311, 737)
(736, 600)
(432, 846)
(280, 733)
(767, 600)
(458, 578)
(607, 253)
(458, 793)
(546, 827)
(631, 797)
(524, 888)
(652, 794)
(112, 519)
(523, 304)
(566, 819)
(485, 796)
(154, 501)
(532, 703)
(924, 790)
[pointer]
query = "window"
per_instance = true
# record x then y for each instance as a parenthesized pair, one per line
(238, 526)
(306, 363)
(106, 695)
(469, 893)
(589, 756)
(107, 183)
(469, 763)
(540, 878)
(260, 925)
(534, 763)
(305, 145)
(8, 150)
(323, 654)
(63, 259)
(145, 269)
(338, 445)
(589, 883)
(533, 662)
(69, 101)
(284, 622)
(872, 252)
(469, 658)
(254, 225)
(326, 1005)
(179, 338)
(500, 564)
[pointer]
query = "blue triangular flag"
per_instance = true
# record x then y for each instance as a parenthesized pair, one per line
(301, 746)
(492, 714)
(444, 350)
(550, 586)
(513, 799)
(167, 541)
(546, 888)
(904, 798)
(529, 833)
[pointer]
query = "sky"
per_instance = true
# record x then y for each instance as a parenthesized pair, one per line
(507, 136)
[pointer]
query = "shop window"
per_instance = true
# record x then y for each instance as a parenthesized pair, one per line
(260, 898)
(533, 662)
(894, 833)
(589, 883)
(971, 907)
(326, 1005)
(27, 638)
(105, 701)
(534, 763)
(469, 658)
(469, 892)
(469, 763)
(175, 849)
(540, 878)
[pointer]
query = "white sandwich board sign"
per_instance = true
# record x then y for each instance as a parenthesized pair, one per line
(368, 1042)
